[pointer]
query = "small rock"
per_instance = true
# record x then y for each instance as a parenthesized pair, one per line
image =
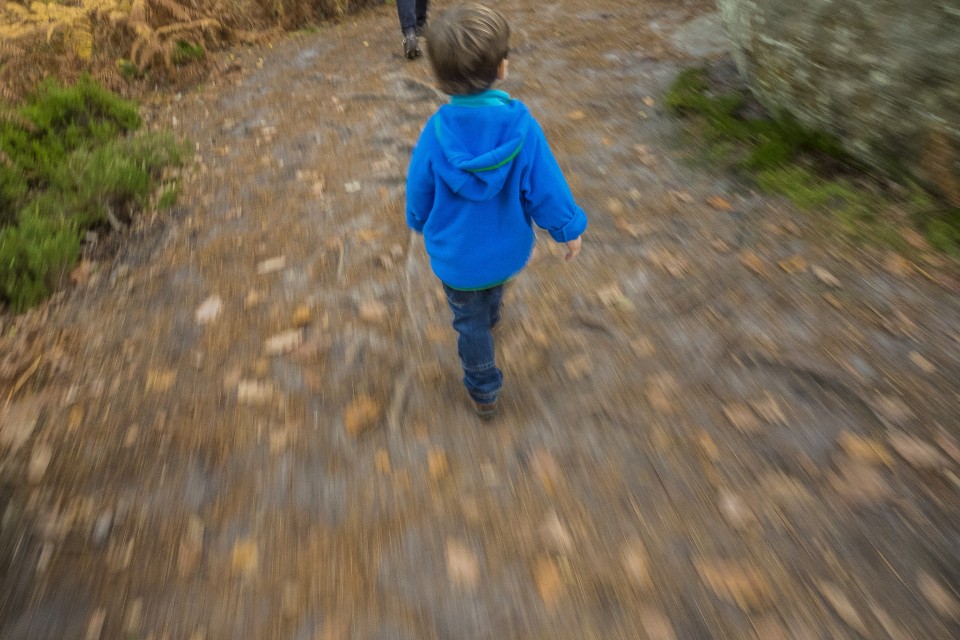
(545, 467)
(661, 389)
(134, 617)
(825, 276)
(636, 562)
(101, 528)
(892, 410)
(254, 392)
(17, 423)
(463, 568)
(917, 453)
(271, 265)
(940, 598)
(209, 310)
(191, 548)
(39, 461)
(735, 510)
(352, 187)
(95, 625)
(284, 342)
(769, 410)
(555, 534)
(922, 363)
(842, 605)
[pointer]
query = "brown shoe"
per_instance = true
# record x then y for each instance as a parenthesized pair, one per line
(485, 411)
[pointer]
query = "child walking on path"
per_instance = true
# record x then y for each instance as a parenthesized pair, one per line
(480, 176)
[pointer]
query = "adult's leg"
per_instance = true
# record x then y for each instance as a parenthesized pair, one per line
(407, 11)
(471, 320)
(421, 10)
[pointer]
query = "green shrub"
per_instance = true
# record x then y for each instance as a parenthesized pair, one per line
(34, 254)
(68, 163)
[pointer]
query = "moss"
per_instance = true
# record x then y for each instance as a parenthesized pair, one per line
(809, 167)
(185, 52)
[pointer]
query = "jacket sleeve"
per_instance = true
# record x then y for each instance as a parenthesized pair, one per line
(546, 196)
(420, 184)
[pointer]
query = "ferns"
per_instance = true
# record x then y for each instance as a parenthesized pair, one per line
(156, 25)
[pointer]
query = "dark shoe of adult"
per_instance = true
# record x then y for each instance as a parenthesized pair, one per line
(411, 48)
(485, 411)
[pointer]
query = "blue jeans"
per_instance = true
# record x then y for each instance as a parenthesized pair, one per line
(474, 314)
(413, 13)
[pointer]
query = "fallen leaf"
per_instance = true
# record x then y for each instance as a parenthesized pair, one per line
(719, 203)
(680, 197)
(647, 100)
(463, 567)
(794, 264)
(863, 449)
(578, 367)
(81, 273)
(753, 262)
(437, 465)
(742, 417)
(577, 115)
(615, 207)
(842, 605)
(860, 483)
(362, 414)
(897, 265)
(17, 423)
(892, 409)
(545, 467)
(383, 462)
(549, 582)
(245, 557)
(160, 380)
(302, 316)
(95, 625)
(769, 410)
(644, 155)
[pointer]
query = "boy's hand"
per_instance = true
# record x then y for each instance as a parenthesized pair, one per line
(573, 249)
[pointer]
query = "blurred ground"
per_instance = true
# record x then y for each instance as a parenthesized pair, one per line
(718, 421)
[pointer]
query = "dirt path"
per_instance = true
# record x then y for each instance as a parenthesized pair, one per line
(717, 424)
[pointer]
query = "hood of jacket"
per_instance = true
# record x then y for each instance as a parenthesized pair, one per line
(480, 137)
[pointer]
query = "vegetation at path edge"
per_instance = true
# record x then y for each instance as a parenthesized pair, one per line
(809, 167)
(70, 163)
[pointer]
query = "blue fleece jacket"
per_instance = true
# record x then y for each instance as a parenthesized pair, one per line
(481, 174)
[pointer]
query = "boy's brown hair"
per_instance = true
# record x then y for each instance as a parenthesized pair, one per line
(465, 47)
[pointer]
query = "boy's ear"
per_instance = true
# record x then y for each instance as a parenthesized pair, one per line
(502, 70)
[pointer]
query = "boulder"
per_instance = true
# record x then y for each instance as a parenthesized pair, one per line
(881, 75)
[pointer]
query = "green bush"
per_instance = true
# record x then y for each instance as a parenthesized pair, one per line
(34, 254)
(69, 163)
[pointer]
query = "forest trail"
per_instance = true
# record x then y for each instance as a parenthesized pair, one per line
(717, 423)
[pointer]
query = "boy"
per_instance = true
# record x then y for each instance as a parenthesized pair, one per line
(480, 175)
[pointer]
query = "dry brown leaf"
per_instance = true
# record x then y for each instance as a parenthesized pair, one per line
(922, 363)
(160, 380)
(577, 115)
(842, 605)
(549, 582)
(794, 264)
(656, 624)
(245, 557)
(437, 465)
(719, 203)
(302, 316)
(362, 414)
(916, 452)
(736, 582)
(940, 598)
(661, 390)
(863, 449)
(753, 262)
(636, 562)
(742, 417)
(825, 276)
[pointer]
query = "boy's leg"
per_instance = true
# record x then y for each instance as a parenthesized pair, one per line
(471, 319)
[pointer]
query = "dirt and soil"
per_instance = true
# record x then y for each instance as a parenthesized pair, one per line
(718, 422)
